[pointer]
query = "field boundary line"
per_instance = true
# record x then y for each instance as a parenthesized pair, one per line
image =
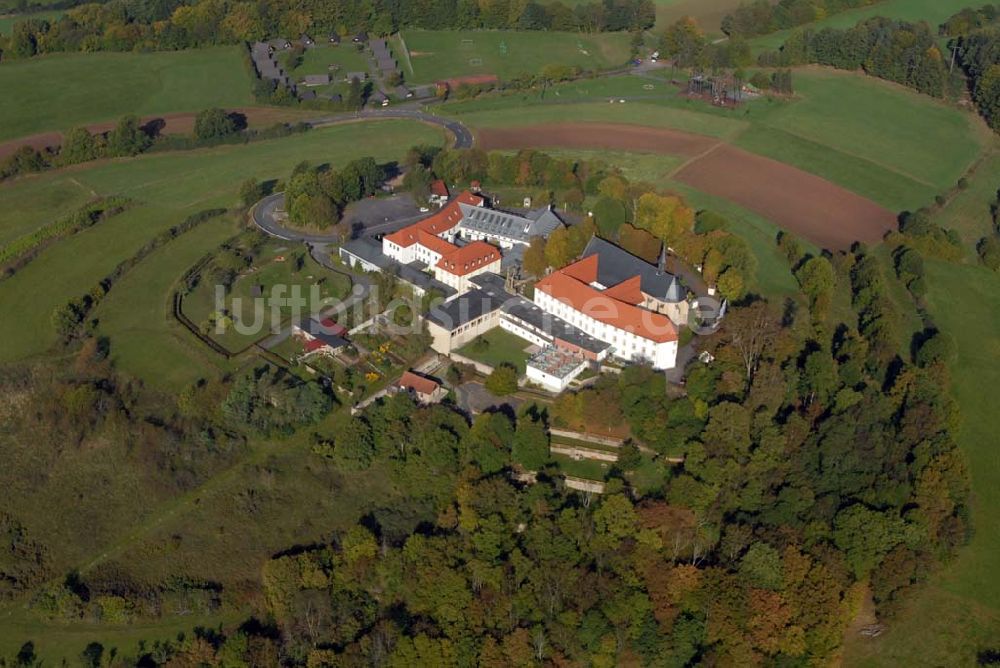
(406, 53)
(679, 168)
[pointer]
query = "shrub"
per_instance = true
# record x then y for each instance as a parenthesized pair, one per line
(503, 381)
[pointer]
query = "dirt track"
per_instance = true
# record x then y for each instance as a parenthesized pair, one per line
(814, 208)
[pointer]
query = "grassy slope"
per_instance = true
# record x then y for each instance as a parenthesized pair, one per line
(38, 203)
(170, 186)
(932, 11)
(442, 54)
(59, 91)
(874, 144)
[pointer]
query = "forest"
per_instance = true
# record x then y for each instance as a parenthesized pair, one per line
(128, 25)
(975, 37)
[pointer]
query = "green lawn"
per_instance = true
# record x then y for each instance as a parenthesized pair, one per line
(169, 186)
(442, 54)
(932, 11)
(57, 92)
(496, 347)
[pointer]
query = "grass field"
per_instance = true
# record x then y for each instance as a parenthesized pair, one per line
(500, 346)
(443, 54)
(58, 92)
(170, 186)
(932, 11)
(37, 203)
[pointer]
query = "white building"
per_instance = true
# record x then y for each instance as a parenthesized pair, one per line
(586, 296)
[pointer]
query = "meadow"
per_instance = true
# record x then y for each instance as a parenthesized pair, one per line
(168, 187)
(432, 55)
(58, 92)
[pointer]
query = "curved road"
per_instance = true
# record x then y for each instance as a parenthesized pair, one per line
(263, 212)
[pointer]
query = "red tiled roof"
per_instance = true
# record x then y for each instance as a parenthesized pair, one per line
(313, 345)
(584, 270)
(469, 258)
(604, 308)
(436, 244)
(439, 223)
(419, 384)
(439, 188)
(332, 327)
(629, 290)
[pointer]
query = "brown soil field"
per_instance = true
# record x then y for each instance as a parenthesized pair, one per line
(812, 207)
(180, 123)
(612, 136)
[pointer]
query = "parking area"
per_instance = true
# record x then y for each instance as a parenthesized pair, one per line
(381, 215)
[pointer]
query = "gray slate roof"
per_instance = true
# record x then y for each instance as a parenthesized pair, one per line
(615, 265)
(536, 223)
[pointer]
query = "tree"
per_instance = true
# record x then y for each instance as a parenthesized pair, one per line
(212, 124)
(664, 216)
(128, 138)
(251, 191)
(558, 248)
(535, 262)
(531, 444)
(609, 214)
(78, 146)
(502, 381)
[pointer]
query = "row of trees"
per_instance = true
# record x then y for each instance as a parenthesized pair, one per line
(899, 51)
(179, 24)
(760, 17)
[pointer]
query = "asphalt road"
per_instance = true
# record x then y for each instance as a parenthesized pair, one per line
(263, 213)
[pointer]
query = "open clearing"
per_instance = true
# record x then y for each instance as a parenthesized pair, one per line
(443, 54)
(84, 88)
(816, 209)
